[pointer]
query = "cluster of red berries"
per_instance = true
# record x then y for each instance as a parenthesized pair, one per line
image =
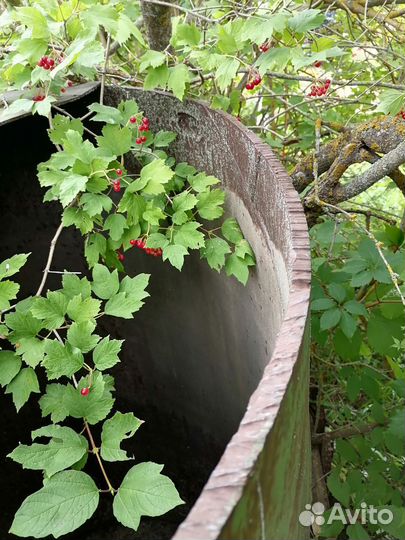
(143, 127)
(264, 47)
(117, 183)
(319, 89)
(69, 84)
(253, 82)
(46, 62)
(402, 114)
(149, 251)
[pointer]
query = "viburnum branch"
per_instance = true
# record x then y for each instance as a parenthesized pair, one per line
(50, 258)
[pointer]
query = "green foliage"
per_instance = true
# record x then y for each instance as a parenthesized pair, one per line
(167, 207)
(361, 366)
(146, 492)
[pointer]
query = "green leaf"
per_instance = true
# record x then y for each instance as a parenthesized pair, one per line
(64, 449)
(164, 138)
(330, 318)
(105, 283)
(109, 115)
(115, 430)
(61, 125)
(156, 77)
(67, 500)
(8, 291)
(32, 350)
(175, 255)
(339, 490)
(214, 251)
(71, 186)
(74, 286)
(346, 451)
(153, 176)
(75, 146)
(321, 304)
(179, 76)
(381, 333)
(337, 291)
(144, 492)
(210, 203)
(61, 360)
(305, 20)
(105, 355)
(53, 402)
(396, 527)
(51, 310)
(234, 266)
(18, 106)
(188, 235)
(10, 365)
(80, 336)
(22, 386)
(23, 324)
(95, 406)
(347, 324)
(391, 101)
(11, 266)
(357, 532)
(115, 224)
(34, 20)
(396, 425)
(186, 34)
(355, 308)
(226, 72)
(80, 310)
(94, 204)
(157, 240)
(152, 59)
(231, 230)
(115, 140)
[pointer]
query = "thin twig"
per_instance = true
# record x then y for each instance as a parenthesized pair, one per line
(49, 261)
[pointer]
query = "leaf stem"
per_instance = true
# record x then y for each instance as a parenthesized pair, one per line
(50, 258)
(95, 451)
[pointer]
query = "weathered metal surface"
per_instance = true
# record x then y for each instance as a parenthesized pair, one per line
(262, 481)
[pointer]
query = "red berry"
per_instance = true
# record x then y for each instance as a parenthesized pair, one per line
(117, 186)
(39, 98)
(257, 80)
(132, 120)
(85, 391)
(120, 256)
(249, 86)
(143, 139)
(119, 172)
(70, 84)
(63, 90)
(142, 128)
(318, 64)
(51, 62)
(139, 140)
(145, 120)
(327, 82)
(133, 242)
(264, 47)
(141, 244)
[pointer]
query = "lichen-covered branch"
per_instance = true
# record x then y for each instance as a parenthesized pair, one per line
(378, 136)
